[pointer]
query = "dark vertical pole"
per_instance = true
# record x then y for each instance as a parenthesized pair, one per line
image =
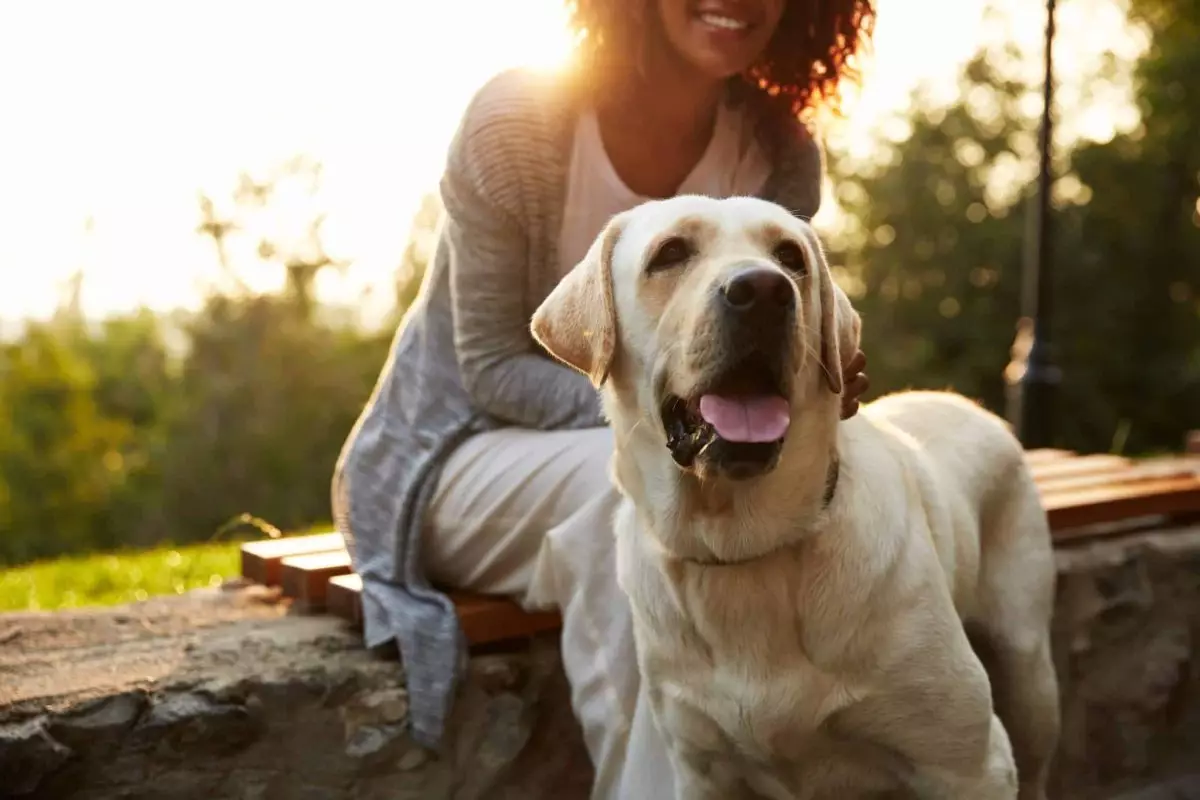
(1033, 378)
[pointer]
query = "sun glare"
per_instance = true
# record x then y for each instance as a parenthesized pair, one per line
(118, 114)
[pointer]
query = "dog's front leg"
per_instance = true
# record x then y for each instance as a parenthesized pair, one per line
(999, 778)
(995, 779)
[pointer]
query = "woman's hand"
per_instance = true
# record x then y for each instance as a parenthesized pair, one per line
(854, 383)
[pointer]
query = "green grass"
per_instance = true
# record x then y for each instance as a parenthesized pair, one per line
(113, 578)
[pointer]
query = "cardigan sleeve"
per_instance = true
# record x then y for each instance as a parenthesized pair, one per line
(492, 166)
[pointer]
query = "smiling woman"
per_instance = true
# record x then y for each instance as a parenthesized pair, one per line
(797, 52)
(481, 463)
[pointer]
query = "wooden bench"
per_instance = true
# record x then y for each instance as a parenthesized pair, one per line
(1085, 496)
(315, 572)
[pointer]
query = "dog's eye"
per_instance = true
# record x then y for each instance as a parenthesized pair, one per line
(671, 253)
(791, 257)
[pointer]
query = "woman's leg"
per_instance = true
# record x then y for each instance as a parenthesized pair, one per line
(499, 496)
(529, 514)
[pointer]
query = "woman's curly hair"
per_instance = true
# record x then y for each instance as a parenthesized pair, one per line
(811, 52)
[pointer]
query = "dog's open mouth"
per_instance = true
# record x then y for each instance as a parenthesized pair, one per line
(740, 418)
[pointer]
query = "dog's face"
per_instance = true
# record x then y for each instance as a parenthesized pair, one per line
(719, 319)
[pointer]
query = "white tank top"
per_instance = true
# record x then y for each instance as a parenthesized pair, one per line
(732, 165)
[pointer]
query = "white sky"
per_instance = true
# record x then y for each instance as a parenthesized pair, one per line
(120, 111)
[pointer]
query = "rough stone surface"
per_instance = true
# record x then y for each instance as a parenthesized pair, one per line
(1127, 647)
(224, 695)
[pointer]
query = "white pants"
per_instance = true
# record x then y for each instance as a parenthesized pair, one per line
(529, 514)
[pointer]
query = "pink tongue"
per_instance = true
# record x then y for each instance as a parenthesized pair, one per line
(764, 418)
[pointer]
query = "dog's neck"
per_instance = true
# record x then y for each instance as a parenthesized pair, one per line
(718, 521)
(831, 482)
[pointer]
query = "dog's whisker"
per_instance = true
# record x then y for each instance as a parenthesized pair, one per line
(809, 350)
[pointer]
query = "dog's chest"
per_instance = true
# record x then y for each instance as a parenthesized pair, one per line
(741, 656)
(771, 710)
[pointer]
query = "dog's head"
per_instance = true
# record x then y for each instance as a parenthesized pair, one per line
(717, 320)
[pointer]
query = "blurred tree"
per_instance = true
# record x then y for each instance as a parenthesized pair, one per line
(266, 208)
(1136, 250)
(939, 226)
(270, 396)
(271, 388)
(61, 460)
(937, 236)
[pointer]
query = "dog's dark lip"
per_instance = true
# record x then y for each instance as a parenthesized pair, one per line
(687, 433)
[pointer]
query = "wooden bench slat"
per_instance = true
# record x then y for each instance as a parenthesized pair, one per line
(484, 619)
(261, 560)
(1078, 466)
(497, 619)
(305, 578)
(1138, 473)
(1045, 455)
(343, 597)
(1119, 501)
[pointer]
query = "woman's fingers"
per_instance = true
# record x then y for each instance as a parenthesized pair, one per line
(855, 383)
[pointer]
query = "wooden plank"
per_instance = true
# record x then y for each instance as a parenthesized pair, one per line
(1094, 505)
(495, 619)
(1080, 465)
(343, 597)
(1044, 455)
(484, 619)
(305, 578)
(261, 560)
(1135, 473)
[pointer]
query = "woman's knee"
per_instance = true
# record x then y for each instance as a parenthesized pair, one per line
(502, 492)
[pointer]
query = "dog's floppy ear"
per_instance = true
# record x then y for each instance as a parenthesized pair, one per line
(577, 322)
(840, 323)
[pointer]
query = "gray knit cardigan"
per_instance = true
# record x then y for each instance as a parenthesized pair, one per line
(463, 360)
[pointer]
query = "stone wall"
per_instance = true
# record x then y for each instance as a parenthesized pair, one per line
(223, 694)
(1127, 646)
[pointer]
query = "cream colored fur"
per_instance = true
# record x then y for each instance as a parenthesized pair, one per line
(793, 649)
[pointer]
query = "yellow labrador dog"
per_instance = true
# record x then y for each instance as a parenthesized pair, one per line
(803, 589)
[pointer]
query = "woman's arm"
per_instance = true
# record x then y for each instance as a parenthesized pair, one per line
(500, 367)
(495, 171)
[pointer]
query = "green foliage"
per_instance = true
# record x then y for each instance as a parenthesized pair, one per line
(936, 273)
(942, 227)
(149, 428)
(117, 443)
(113, 578)
(270, 396)
(1134, 250)
(62, 460)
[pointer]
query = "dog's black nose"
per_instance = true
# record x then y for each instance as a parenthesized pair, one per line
(759, 289)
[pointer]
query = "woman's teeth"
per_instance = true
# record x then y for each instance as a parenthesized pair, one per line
(724, 23)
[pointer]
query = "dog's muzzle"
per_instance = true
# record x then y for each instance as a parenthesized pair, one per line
(737, 417)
